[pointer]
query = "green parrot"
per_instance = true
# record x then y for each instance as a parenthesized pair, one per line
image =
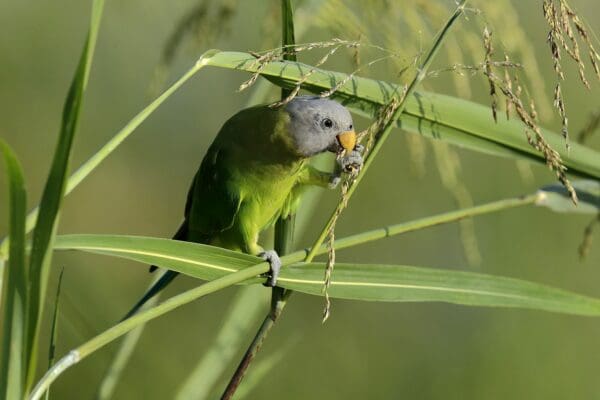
(254, 172)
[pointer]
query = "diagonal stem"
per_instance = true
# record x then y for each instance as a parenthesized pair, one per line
(376, 234)
(86, 168)
(421, 74)
(284, 232)
(89, 347)
(415, 225)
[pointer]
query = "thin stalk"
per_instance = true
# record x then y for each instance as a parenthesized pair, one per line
(421, 74)
(278, 304)
(78, 354)
(284, 230)
(129, 343)
(86, 168)
(410, 226)
(353, 240)
(364, 237)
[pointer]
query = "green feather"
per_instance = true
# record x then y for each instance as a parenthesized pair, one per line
(253, 173)
(244, 180)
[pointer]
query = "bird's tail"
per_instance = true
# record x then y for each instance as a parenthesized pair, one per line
(166, 278)
(159, 285)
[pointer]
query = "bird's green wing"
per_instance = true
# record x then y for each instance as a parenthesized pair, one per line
(212, 203)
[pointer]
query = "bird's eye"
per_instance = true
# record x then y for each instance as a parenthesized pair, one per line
(351, 126)
(327, 123)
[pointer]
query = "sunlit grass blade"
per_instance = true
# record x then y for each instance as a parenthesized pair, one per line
(436, 116)
(14, 285)
(351, 281)
(284, 227)
(401, 283)
(556, 198)
(93, 162)
(184, 257)
(239, 321)
(53, 193)
(288, 37)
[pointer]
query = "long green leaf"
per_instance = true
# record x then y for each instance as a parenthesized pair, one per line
(351, 281)
(197, 260)
(406, 283)
(422, 285)
(284, 227)
(437, 116)
(53, 193)
(14, 285)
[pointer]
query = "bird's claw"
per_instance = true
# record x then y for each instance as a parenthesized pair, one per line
(274, 261)
(353, 161)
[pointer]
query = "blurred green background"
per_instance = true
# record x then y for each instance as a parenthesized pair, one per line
(365, 350)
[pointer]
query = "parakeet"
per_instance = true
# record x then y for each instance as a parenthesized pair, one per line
(255, 171)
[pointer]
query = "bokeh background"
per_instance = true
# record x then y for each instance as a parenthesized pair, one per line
(365, 350)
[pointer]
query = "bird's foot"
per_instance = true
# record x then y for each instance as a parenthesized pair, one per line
(353, 161)
(274, 261)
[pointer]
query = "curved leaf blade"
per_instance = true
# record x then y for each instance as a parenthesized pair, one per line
(45, 228)
(13, 279)
(396, 283)
(400, 283)
(193, 259)
(437, 116)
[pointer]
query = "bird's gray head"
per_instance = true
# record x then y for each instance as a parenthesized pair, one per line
(319, 124)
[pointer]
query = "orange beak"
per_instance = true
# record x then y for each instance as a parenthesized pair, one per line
(347, 140)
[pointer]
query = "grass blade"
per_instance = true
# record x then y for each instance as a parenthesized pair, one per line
(352, 281)
(399, 283)
(93, 162)
(14, 291)
(436, 116)
(284, 227)
(185, 257)
(168, 253)
(288, 38)
(53, 193)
